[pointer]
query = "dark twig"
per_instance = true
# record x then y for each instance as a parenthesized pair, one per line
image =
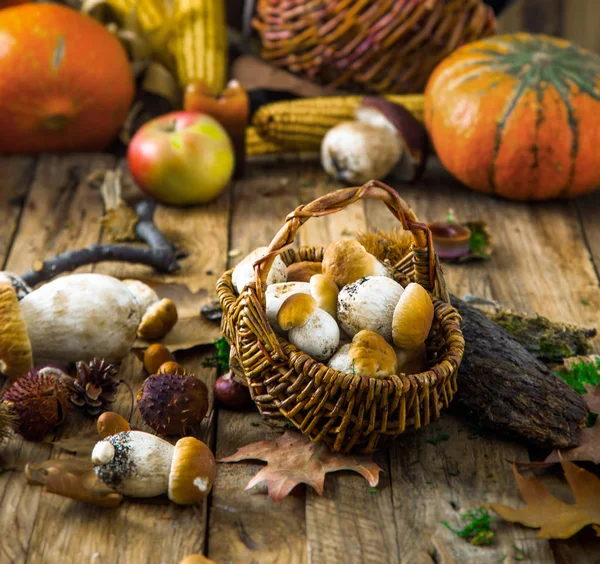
(160, 254)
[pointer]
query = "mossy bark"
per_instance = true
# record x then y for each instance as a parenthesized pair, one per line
(502, 387)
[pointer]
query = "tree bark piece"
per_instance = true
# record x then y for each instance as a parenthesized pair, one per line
(504, 388)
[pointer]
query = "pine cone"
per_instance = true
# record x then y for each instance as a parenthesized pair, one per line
(94, 388)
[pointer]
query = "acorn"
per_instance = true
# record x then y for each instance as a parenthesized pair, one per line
(111, 423)
(231, 394)
(40, 402)
(173, 404)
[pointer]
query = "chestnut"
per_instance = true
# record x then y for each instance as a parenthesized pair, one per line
(230, 394)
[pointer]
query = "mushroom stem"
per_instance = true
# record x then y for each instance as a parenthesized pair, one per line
(159, 256)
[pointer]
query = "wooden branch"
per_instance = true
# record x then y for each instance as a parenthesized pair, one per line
(160, 254)
(502, 387)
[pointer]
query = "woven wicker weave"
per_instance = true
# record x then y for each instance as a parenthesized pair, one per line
(380, 46)
(348, 412)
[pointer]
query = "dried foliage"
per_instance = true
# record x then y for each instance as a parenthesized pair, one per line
(555, 518)
(293, 459)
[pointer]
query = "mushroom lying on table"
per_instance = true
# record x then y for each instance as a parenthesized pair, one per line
(72, 318)
(139, 464)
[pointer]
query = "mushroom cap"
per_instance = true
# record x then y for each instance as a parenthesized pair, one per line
(411, 361)
(296, 310)
(372, 354)
(369, 304)
(144, 295)
(303, 271)
(16, 357)
(347, 261)
(276, 294)
(325, 292)
(158, 320)
(134, 463)
(192, 471)
(243, 274)
(196, 559)
(355, 152)
(369, 354)
(319, 337)
(413, 317)
(79, 317)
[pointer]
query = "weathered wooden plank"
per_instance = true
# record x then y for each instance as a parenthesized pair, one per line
(248, 526)
(16, 174)
(359, 520)
(544, 16)
(429, 481)
(588, 208)
(60, 212)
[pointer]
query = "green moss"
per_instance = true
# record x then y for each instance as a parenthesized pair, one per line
(477, 529)
(581, 373)
(221, 358)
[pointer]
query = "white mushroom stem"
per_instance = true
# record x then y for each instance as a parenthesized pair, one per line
(243, 274)
(79, 317)
(144, 295)
(134, 463)
(318, 337)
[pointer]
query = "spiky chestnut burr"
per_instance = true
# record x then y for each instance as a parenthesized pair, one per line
(40, 403)
(173, 404)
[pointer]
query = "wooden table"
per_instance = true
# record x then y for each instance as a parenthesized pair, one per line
(546, 260)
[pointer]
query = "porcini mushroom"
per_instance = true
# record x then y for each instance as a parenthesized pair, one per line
(369, 304)
(309, 327)
(303, 271)
(385, 138)
(19, 285)
(346, 261)
(79, 317)
(276, 294)
(158, 320)
(144, 295)
(325, 291)
(139, 464)
(412, 318)
(16, 357)
(369, 354)
(243, 274)
(411, 361)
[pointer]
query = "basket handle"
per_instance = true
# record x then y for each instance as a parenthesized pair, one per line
(337, 201)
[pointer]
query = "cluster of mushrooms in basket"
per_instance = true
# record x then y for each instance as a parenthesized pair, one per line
(347, 311)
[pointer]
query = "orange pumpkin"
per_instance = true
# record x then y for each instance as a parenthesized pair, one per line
(518, 116)
(65, 81)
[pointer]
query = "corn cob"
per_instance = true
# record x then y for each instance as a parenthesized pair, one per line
(300, 125)
(257, 145)
(199, 43)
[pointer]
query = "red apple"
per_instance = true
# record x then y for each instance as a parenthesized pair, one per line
(182, 158)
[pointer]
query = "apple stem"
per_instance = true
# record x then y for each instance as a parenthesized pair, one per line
(159, 254)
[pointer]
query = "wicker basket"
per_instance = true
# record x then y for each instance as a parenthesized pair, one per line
(348, 412)
(380, 46)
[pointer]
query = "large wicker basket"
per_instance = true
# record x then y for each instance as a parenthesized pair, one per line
(381, 46)
(348, 412)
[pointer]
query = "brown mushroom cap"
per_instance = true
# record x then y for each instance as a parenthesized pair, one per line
(158, 320)
(16, 358)
(303, 271)
(325, 292)
(296, 311)
(347, 261)
(196, 559)
(193, 470)
(413, 317)
(372, 355)
(380, 112)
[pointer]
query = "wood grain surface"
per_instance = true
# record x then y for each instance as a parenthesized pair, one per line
(545, 260)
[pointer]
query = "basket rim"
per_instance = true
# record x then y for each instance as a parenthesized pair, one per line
(418, 378)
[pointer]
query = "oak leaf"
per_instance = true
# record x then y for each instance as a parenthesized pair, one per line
(555, 518)
(589, 438)
(293, 459)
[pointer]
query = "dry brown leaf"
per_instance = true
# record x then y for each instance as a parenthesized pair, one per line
(293, 459)
(73, 478)
(555, 518)
(589, 446)
(79, 444)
